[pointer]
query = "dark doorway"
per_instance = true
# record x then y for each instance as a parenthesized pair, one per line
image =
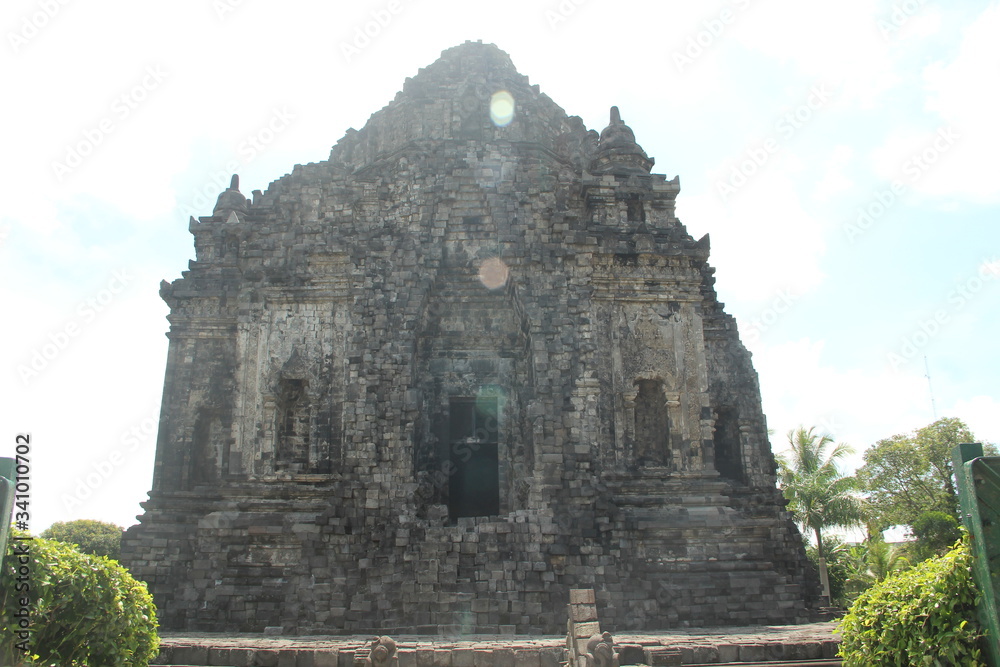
(207, 442)
(728, 452)
(652, 425)
(474, 482)
(294, 426)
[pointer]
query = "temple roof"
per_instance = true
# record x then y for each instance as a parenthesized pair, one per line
(451, 100)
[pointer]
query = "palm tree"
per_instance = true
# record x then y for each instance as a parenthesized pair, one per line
(818, 494)
(872, 562)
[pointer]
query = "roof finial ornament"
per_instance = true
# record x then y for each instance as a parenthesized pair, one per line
(617, 151)
(231, 200)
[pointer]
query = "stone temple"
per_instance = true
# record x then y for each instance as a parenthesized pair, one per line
(469, 362)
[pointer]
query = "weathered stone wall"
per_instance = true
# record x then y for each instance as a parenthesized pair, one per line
(448, 374)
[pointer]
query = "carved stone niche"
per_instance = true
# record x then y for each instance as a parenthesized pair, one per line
(289, 407)
(650, 411)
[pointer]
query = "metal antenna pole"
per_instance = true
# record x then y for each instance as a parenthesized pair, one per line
(930, 389)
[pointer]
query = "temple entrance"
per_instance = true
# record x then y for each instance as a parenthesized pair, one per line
(652, 425)
(474, 480)
(728, 452)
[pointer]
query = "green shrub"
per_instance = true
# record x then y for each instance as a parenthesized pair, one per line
(99, 538)
(922, 616)
(84, 610)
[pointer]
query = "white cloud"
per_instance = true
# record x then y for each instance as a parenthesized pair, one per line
(963, 93)
(835, 181)
(981, 414)
(917, 157)
(858, 406)
(812, 38)
(764, 242)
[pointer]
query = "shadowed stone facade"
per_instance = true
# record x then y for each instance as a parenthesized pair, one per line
(459, 368)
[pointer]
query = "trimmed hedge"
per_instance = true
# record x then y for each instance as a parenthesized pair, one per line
(923, 616)
(83, 609)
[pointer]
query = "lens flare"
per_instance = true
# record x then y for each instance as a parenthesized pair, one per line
(493, 273)
(502, 108)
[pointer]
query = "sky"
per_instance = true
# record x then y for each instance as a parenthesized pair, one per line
(843, 157)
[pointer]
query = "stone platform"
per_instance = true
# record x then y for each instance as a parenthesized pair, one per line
(756, 644)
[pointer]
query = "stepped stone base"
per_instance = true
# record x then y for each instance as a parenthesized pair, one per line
(816, 641)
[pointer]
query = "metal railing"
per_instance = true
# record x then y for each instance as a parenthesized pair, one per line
(978, 480)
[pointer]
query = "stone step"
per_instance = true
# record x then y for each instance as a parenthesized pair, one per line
(788, 645)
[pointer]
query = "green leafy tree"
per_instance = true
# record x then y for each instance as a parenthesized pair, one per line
(92, 537)
(908, 475)
(818, 493)
(935, 533)
(83, 610)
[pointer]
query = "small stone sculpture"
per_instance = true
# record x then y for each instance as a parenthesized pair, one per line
(382, 651)
(600, 651)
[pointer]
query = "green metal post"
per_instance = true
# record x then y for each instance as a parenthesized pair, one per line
(978, 482)
(7, 484)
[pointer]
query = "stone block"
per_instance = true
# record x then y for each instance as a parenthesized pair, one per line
(588, 629)
(190, 655)
(462, 657)
(241, 657)
(753, 652)
(503, 657)
(579, 613)
(729, 652)
(220, 656)
(551, 657)
(705, 654)
(666, 657)
(524, 657)
(631, 654)
(582, 596)
(406, 658)
(265, 658)
(328, 658)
